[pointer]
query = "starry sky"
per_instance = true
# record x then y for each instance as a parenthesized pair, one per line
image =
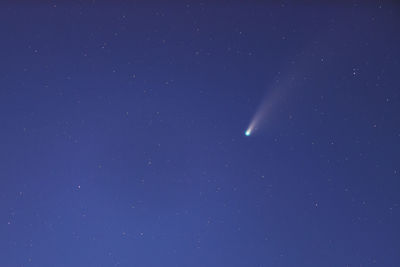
(123, 143)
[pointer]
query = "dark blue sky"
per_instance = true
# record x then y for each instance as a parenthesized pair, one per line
(122, 134)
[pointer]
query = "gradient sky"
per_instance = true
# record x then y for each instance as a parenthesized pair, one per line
(122, 134)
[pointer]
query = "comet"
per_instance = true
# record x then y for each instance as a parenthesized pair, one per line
(277, 95)
(268, 105)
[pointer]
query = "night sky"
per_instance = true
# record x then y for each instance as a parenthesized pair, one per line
(123, 142)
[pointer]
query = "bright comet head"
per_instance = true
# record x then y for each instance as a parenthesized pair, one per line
(248, 132)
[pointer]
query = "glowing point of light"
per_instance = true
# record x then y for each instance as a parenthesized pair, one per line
(248, 132)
